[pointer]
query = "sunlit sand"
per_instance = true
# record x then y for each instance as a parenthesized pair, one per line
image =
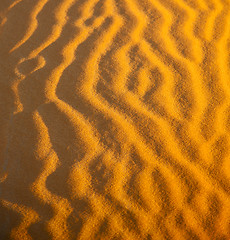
(114, 119)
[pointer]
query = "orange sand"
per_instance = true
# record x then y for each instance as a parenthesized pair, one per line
(114, 119)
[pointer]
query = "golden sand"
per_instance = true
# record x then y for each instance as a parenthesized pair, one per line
(114, 119)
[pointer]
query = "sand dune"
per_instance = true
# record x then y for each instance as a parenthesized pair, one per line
(114, 119)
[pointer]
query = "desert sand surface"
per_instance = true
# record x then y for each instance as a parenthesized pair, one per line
(115, 119)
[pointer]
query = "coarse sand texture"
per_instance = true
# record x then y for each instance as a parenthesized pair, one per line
(114, 119)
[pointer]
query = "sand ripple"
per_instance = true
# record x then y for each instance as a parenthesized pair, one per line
(114, 119)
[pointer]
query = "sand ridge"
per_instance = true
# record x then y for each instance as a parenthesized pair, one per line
(114, 119)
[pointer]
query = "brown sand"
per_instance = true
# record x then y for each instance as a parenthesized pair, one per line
(114, 119)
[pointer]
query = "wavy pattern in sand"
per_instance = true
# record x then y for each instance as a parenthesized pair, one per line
(114, 119)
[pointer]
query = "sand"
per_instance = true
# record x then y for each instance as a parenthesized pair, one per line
(114, 119)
